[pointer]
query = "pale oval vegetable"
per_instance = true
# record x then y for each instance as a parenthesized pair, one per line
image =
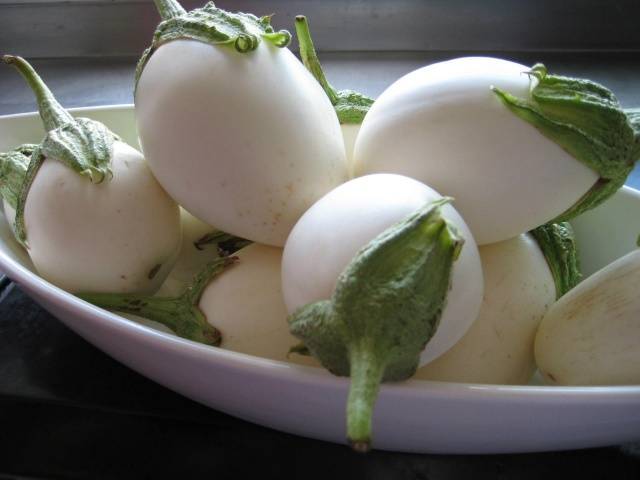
(233, 126)
(498, 347)
(332, 231)
(90, 212)
(245, 304)
(514, 146)
(591, 335)
(119, 235)
(394, 296)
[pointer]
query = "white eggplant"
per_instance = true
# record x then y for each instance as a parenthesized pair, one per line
(232, 124)
(381, 275)
(87, 207)
(245, 304)
(334, 229)
(515, 146)
(522, 278)
(591, 335)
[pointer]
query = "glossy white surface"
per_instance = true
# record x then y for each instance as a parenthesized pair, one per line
(443, 125)
(243, 142)
(591, 335)
(498, 347)
(411, 416)
(245, 303)
(105, 237)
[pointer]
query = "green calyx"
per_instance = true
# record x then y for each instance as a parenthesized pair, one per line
(181, 314)
(226, 243)
(84, 145)
(385, 308)
(350, 106)
(558, 244)
(212, 25)
(13, 169)
(633, 115)
(587, 121)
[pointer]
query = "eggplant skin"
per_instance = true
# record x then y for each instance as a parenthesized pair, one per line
(244, 142)
(591, 335)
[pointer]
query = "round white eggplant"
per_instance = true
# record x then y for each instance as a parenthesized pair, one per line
(336, 227)
(498, 347)
(515, 146)
(591, 335)
(237, 131)
(245, 304)
(121, 235)
(86, 205)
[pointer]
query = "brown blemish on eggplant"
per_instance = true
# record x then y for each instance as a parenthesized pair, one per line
(154, 271)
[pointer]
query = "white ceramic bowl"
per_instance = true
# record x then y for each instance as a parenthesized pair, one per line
(413, 416)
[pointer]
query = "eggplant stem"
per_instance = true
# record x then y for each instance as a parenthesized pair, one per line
(367, 371)
(169, 9)
(310, 58)
(51, 112)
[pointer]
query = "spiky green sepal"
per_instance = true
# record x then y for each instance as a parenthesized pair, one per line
(587, 121)
(385, 308)
(351, 107)
(181, 314)
(558, 245)
(84, 145)
(13, 169)
(212, 25)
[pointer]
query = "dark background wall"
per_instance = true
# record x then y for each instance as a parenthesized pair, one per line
(52, 28)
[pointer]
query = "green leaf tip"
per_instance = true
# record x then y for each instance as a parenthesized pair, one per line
(587, 121)
(181, 314)
(385, 308)
(350, 106)
(212, 25)
(558, 245)
(84, 145)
